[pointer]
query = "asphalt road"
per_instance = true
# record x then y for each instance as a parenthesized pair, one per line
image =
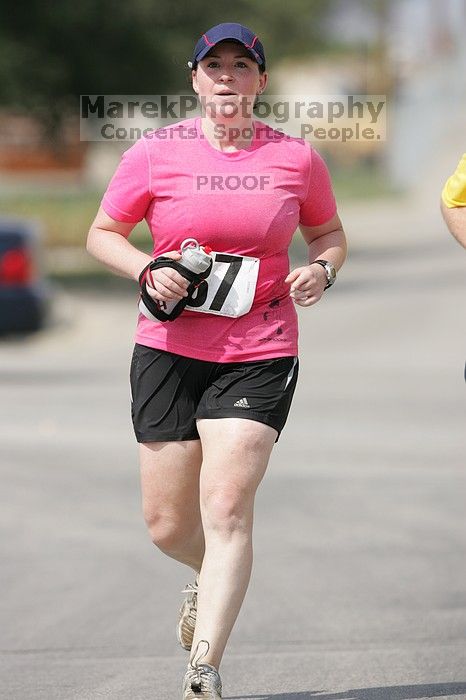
(358, 590)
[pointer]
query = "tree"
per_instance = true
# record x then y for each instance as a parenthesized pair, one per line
(52, 53)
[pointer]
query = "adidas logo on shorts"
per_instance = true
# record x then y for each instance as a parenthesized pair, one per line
(242, 403)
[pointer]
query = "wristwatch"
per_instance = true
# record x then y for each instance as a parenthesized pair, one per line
(329, 271)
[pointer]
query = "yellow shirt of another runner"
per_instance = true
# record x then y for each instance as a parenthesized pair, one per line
(454, 192)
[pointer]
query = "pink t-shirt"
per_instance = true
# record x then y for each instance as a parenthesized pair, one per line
(184, 187)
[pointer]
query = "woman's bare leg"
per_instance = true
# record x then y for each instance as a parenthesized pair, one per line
(236, 452)
(170, 498)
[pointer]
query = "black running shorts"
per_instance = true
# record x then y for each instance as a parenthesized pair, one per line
(169, 392)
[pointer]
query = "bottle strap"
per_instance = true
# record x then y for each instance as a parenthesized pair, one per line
(194, 280)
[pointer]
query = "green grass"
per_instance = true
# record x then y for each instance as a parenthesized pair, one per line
(361, 184)
(66, 218)
(102, 279)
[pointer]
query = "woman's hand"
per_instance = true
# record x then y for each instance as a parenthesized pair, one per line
(165, 283)
(307, 284)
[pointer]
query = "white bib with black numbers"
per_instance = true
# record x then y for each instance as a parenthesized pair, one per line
(230, 287)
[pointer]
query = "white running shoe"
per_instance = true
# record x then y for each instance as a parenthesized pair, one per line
(201, 681)
(187, 615)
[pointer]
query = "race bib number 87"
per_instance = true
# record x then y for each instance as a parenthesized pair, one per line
(229, 289)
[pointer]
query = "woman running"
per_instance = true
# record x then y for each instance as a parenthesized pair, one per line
(211, 390)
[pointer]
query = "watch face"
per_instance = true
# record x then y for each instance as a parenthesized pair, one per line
(329, 271)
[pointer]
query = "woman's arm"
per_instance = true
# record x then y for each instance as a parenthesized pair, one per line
(453, 203)
(325, 242)
(455, 219)
(107, 242)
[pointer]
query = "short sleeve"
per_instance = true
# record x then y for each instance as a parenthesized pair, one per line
(128, 194)
(454, 192)
(319, 205)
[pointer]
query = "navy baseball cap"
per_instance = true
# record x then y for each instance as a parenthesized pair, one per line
(234, 32)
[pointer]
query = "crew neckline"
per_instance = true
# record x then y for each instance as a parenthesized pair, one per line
(227, 155)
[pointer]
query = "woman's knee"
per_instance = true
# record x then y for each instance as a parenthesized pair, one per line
(169, 533)
(170, 492)
(228, 509)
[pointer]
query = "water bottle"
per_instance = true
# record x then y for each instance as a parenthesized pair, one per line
(195, 265)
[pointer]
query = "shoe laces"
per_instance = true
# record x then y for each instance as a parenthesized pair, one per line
(192, 589)
(206, 676)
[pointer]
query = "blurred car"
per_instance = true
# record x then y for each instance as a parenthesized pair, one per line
(25, 295)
